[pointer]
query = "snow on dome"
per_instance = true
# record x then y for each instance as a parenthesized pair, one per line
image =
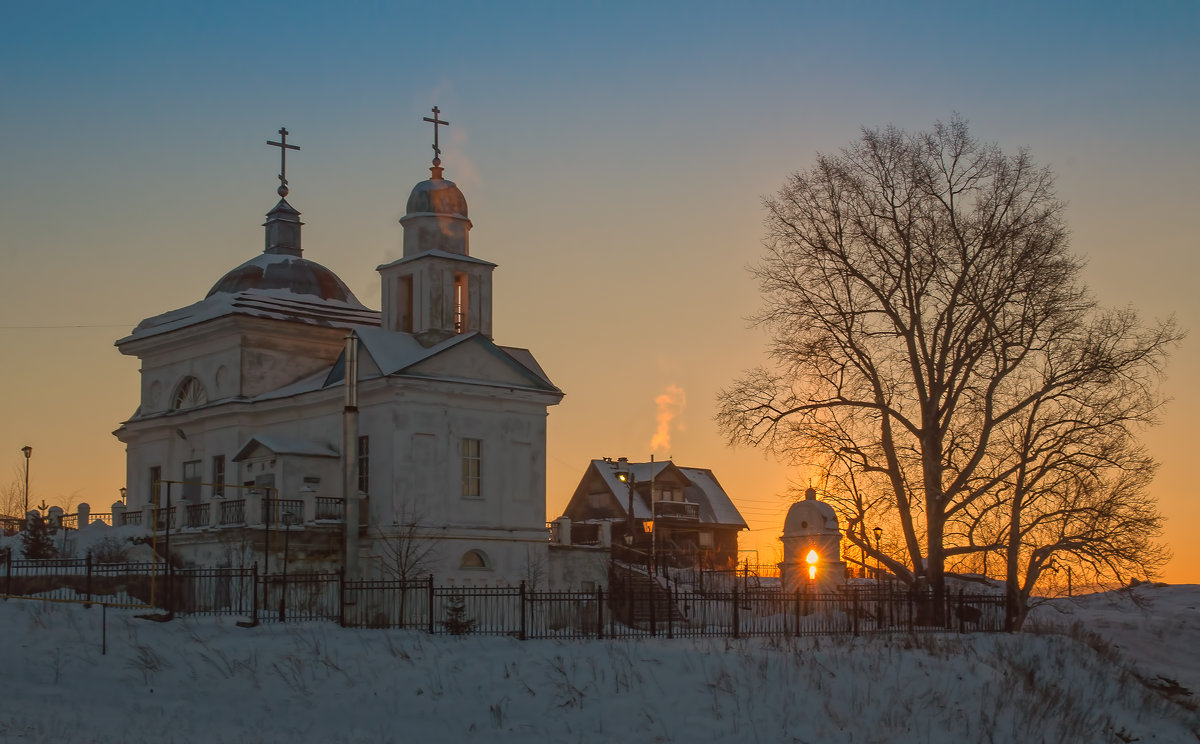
(810, 517)
(274, 271)
(437, 196)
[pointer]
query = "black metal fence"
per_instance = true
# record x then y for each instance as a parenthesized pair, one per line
(629, 609)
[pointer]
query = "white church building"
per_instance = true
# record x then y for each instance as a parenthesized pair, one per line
(279, 405)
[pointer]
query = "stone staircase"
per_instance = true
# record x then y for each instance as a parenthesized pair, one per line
(639, 599)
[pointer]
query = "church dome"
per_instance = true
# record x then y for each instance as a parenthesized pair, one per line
(810, 517)
(276, 271)
(437, 196)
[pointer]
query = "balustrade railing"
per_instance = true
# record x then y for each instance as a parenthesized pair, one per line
(197, 515)
(283, 511)
(164, 518)
(330, 509)
(233, 511)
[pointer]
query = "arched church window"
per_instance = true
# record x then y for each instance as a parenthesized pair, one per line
(460, 302)
(189, 394)
(473, 559)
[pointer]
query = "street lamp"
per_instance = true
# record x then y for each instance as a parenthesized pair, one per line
(122, 495)
(878, 534)
(625, 475)
(28, 451)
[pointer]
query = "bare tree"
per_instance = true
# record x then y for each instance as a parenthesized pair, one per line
(536, 570)
(921, 301)
(409, 552)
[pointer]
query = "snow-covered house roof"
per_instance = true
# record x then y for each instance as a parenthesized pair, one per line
(700, 487)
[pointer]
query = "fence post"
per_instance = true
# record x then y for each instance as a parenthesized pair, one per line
(797, 634)
(342, 596)
(611, 620)
(8, 572)
(736, 619)
(670, 610)
(430, 604)
(521, 594)
(650, 587)
(87, 582)
(600, 612)
(854, 605)
(254, 593)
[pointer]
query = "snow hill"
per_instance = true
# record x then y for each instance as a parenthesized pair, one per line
(1116, 667)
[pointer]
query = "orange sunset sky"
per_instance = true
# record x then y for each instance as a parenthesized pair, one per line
(614, 157)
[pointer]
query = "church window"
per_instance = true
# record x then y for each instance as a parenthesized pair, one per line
(364, 464)
(218, 476)
(460, 303)
(473, 559)
(404, 304)
(472, 458)
(191, 480)
(189, 394)
(155, 477)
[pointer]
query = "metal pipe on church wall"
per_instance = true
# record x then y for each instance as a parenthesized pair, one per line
(350, 459)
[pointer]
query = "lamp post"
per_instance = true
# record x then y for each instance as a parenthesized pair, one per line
(28, 451)
(625, 475)
(122, 489)
(878, 562)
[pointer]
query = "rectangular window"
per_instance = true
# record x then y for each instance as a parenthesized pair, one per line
(155, 477)
(191, 480)
(364, 464)
(218, 476)
(471, 461)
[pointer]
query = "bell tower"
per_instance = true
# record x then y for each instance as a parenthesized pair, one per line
(437, 289)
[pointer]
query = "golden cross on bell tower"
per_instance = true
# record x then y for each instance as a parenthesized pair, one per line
(283, 148)
(437, 151)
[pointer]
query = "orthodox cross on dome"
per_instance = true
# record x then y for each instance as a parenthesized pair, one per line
(283, 148)
(437, 151)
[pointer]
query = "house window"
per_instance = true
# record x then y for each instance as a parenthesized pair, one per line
(218, 476)
(667, 495)
(155, 477)
(471, 461)
(364, 464)
(189, 394)
(191, 480)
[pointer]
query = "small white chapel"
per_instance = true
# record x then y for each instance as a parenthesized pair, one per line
(278, 413)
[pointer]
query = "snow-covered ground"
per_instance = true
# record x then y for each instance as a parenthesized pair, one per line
(207, 680)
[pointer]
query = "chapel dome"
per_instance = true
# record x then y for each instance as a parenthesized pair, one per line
(810, 517)
(437, 196)
(287, 273)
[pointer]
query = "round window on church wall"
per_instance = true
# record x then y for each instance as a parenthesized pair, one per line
(189, 394)
(804, 525)
(473, 559)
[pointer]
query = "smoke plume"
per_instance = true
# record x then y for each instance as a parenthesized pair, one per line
(670, 405)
